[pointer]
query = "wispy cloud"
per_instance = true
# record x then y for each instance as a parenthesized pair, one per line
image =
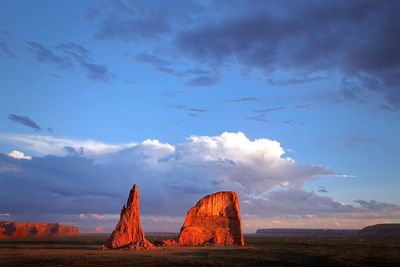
(294, 81)
(191, 111)
(257, 118)
(259, 115)
(322, 189)
(44, 144)
(5, 46)
(303, 106)
(45, 55)
(243, 100)
(158, 63)
(198, 77)
(290, 122)
(204, 80)
(356, 138)
(269, 110)
(135, 21)
(170, 94)
(24, 120)
(69, 56)
(97, 72)
(367, 30)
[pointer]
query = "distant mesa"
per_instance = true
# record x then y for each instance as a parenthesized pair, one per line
(387, 230)
(300, 232)
(10, 229)
(378, 230)
(129, 233)
(214, 220)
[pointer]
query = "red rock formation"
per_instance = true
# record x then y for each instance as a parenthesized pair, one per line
(28, 229)
(215, 219)
(386, 230)
(128, 233)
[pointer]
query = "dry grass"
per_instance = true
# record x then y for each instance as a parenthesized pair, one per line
(259, 251)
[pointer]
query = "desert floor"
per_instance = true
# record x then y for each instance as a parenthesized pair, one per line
(84, 250)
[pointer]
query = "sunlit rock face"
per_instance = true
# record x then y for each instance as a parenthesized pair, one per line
(129, 233)
(32, 229)
(215, 219)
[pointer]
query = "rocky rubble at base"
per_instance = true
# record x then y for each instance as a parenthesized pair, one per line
(129, 233)
(214, 220)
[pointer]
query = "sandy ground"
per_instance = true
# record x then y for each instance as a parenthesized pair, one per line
(259, 251)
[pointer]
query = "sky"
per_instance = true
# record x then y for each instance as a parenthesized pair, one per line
(295, 105)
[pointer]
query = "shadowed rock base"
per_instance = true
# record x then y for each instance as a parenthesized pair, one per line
(214, 220)
(129, 233)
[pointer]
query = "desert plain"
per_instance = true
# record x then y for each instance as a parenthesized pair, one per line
(84, 250)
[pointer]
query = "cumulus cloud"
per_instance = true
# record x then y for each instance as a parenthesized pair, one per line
(90, 188)
(19, 155)
(201, 164)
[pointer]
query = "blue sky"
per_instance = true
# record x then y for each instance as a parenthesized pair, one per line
(210, 85)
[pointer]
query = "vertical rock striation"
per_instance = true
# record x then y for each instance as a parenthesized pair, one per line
(215, 219)
(129, 233)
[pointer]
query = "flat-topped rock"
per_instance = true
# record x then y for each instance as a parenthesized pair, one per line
(10, 229)
(215, 219)
(387, 230)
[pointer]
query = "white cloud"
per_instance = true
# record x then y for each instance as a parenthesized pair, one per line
(198, 164)
(50, 145)
(99, 217)
(231, 158)
(91, 188)
(19, 155)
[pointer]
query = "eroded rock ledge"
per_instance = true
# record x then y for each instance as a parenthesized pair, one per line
(214, 220)
(10, 229)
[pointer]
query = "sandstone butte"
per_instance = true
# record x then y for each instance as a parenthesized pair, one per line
(215, 219)
(31, 229)
(128, 233)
